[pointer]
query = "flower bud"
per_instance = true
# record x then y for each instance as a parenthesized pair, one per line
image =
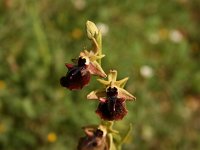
(91, 29)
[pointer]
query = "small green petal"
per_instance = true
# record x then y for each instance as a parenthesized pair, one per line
(97, 94)
(112, 76)
(125, 94)
(121, 83)
(104, 82)
(96, 57)
(85, 53)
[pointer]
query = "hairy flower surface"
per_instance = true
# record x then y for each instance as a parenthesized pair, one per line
(78, 75)
(111, 107)
(112, 97)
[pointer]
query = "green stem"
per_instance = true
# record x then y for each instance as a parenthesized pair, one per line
(113, 135)
(99, 42)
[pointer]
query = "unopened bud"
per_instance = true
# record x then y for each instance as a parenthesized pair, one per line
(91, 29)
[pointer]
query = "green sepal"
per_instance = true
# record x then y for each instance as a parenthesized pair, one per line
(95, 68)
(122, 93)
(96, 94)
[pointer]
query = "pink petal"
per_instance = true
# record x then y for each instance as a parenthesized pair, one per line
(69, 66)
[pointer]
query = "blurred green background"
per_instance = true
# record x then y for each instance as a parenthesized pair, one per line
(156, 43)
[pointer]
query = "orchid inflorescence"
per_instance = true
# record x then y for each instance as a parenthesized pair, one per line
(112, 96)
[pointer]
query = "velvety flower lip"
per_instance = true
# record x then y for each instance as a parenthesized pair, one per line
(112, 97)
(111, 107)
(77, 76)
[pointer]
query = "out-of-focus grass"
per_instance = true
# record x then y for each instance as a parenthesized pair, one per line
(156, 43)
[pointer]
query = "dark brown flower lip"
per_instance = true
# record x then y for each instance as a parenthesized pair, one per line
(112, 108)
(77, 75)
(112, 98)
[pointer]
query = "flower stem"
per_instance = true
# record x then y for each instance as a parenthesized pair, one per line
(99, 42)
